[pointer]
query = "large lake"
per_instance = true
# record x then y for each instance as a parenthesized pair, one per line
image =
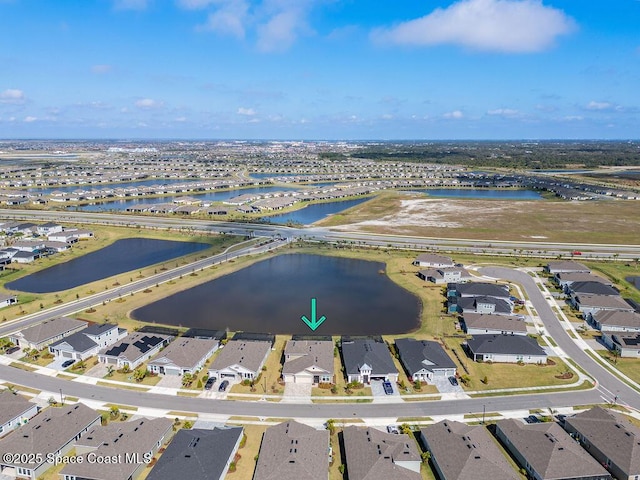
(482, 193)
(271, 296)
(314, 212)
(119, 257)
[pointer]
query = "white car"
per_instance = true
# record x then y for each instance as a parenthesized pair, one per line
(393, 429)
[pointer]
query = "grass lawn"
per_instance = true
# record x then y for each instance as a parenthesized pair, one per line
(247, 464)
(149, 380)
(505, 375)
(629, 366)
(43, 359)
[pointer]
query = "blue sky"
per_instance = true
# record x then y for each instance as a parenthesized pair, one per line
(320, 69)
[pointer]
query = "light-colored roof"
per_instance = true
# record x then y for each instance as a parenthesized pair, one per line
(466, 452)
(12, 406)
(566, 266)
(602, 301)
(617, 318)
(51, 328)
(308, 354)
(248, 354)
(293, 451)
(134, 345)
(185, 352)
(123, 438)
(373, 455)
(434, 259)
(49, 431)
(489, 321)
(551, 452)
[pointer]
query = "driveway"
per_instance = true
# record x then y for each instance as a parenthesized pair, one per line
(377, 391)
(297, 392)
(170, 381)
(98, 371)
(451, 391)
(57, 364)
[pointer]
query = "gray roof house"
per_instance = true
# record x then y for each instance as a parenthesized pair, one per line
(610, 438)
(483, 289)
(547, 452)
(6, 300)
(240, 360)
(87, 342)
(433, 260)
(14, 411)
(308, 361)
(484, 304)
(423, 360)
(487, 323)
(592, 288)
(47, 332)
(445, 275)
(53, 431)
(626, 344)
(589, 304)
(184, 355)
(293, 451)
(566, 279)
(566, 266)
(506, 349)
(616, 321)
(133, 443)
(465, 452)
(133, 349)
(198, 454)
(367, 359)
(374, 455)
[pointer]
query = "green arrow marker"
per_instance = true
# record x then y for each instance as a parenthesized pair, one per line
(314, 322)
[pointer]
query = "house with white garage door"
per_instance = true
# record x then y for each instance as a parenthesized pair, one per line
(240, 360)
(47, 332)
(367, 359)
(133, 349)
(87, 342)
(184, 355)
(423, 359)
(308, 361)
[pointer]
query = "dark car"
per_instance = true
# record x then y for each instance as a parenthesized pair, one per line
(388, 389)
(9, 351)
(532, 419)
(209, 384)
(453, 381)
(223, 386)
(68, 363)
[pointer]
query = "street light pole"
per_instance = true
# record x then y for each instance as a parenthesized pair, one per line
(483, 413)
(61, 398)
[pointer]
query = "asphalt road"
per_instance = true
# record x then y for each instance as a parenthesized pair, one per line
(605, 379)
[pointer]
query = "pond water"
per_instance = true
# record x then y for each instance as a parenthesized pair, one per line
(121, 256)
(635, 281)
(102, 186)
(482, 193)
(271, 296)
(313, 213)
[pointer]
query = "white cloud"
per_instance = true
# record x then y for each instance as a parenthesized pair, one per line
(280, 31)
(229, 19)
(196, 4)
(12, 95)
(573, 118)
(246, 111)
(490, 25)
(593, 105)
(455, 115)
(30, 119)
(101, 69)
(503, 112)
(148, 103)
(131, 4)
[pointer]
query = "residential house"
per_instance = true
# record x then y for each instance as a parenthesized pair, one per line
(374, 455)
(7, 300)
(32, 246)
(25, 257)
(291, 450)
(423, 359)
(591, 288)
(308, 361)
(547, 452)
(240, 360)
(565, 266)
(506, 349)
(616, 320)
(610, 438)
(488, 323)
(564, 280)
(198, 454)
(48, 228)
(52, 432)
(133, 443)
(134, 349)
(433, 260)
(15, 410)
(184, 355)
(367, 359)
(65, 236)
(625, 344)
(482, 289)
(465, 452)
(87, 342)
(480, 305)
(445, 275)
(44, 334)
(590, 304)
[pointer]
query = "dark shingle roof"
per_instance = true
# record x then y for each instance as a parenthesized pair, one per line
(594, 288)
(98, 328)
(482, 289)
(196, 454)
(419, 354)
(78, 341)
(504, 344)
(471, 303)
(357, 352)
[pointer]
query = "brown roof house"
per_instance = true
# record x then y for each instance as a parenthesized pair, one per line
(293, 451)
(374, 455)
(465, 452)
(47, 332)
(308, 361)
(184, 355)
(15, 410)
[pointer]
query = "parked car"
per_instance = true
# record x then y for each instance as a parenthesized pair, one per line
(532, 419)
(11, 350)
(223, 386)
(388, 389)
(209, 384)
(68, 363)
(453, 381)
(393, 429)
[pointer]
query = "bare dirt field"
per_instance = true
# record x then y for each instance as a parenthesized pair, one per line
(611, 221)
